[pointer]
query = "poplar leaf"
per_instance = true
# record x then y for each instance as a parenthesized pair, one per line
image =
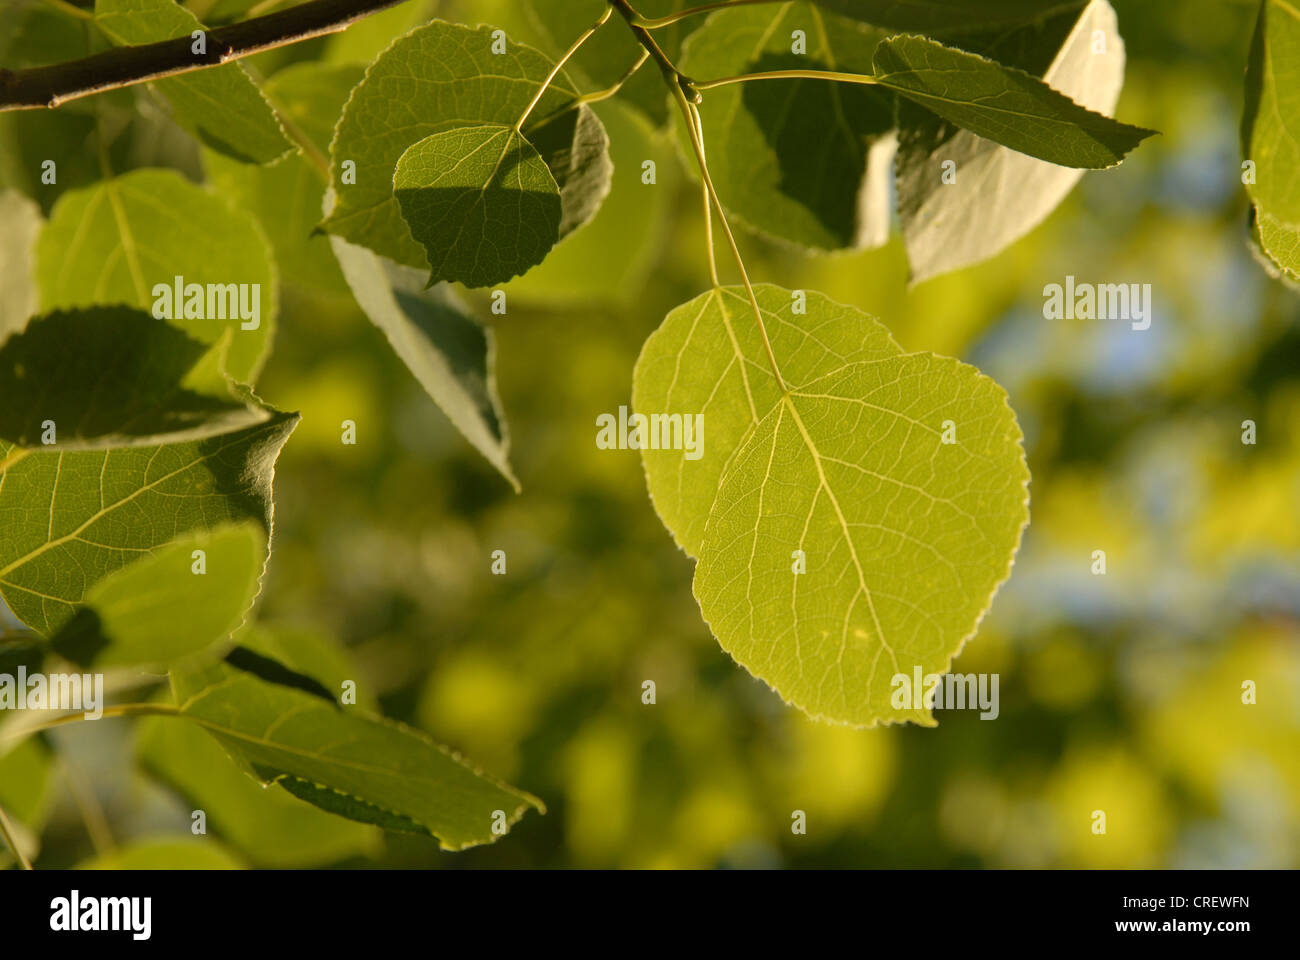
(115, 241)
(440, 78)
(346, 762)
(1270, 133)
(444, 347)
(1003, 104)
(847, 542)
(962, 198)
(158, 610)
(708, 358)
(23, 221)
(74, 514)
(481, 202)
(222, 105)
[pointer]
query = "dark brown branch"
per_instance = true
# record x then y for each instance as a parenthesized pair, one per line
(124, 66)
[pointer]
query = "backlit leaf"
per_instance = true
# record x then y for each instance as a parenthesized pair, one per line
(1270, 134)
(116, 241)
(345, 761)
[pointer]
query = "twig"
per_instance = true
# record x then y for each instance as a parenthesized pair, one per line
(124, 66)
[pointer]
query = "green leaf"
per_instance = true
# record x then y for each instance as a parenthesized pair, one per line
(447, 350)
(708, 358)
(905, 538)
(22, 220)
(996, 195)
(75, 514)
(481, 201)
(132, 380)
(362, 767)
(166, 853)
(1002, 104)
(114, 242)
(806, 161)
(271, 828)
(220, 105)
(160, 609)
(435, 79)
(1270, 133)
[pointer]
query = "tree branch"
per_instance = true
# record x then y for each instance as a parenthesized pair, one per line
(123, 66)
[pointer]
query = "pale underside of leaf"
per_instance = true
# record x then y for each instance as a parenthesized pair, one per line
(998, 195)
(447, 351)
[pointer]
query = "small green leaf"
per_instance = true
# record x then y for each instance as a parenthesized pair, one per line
(962, 198)
(708, 358)
(22, 220)
(163, 608)
(1002, 104)
(166, 853)
(357, 766)
(220, 105)
(438, 78)
(116, 241)
(806, 161)
(1270, 133)
(449, 352)
(481, 201)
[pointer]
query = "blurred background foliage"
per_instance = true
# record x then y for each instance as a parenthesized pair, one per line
(1119, 692)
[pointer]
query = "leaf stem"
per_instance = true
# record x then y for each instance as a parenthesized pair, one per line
(6, 833)
(609, 91)
(731, 241)
(108, 713)
(655, 23)
(697, 133)
(686, 92)
(559, 65)
(58, 83)
(788, 75)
